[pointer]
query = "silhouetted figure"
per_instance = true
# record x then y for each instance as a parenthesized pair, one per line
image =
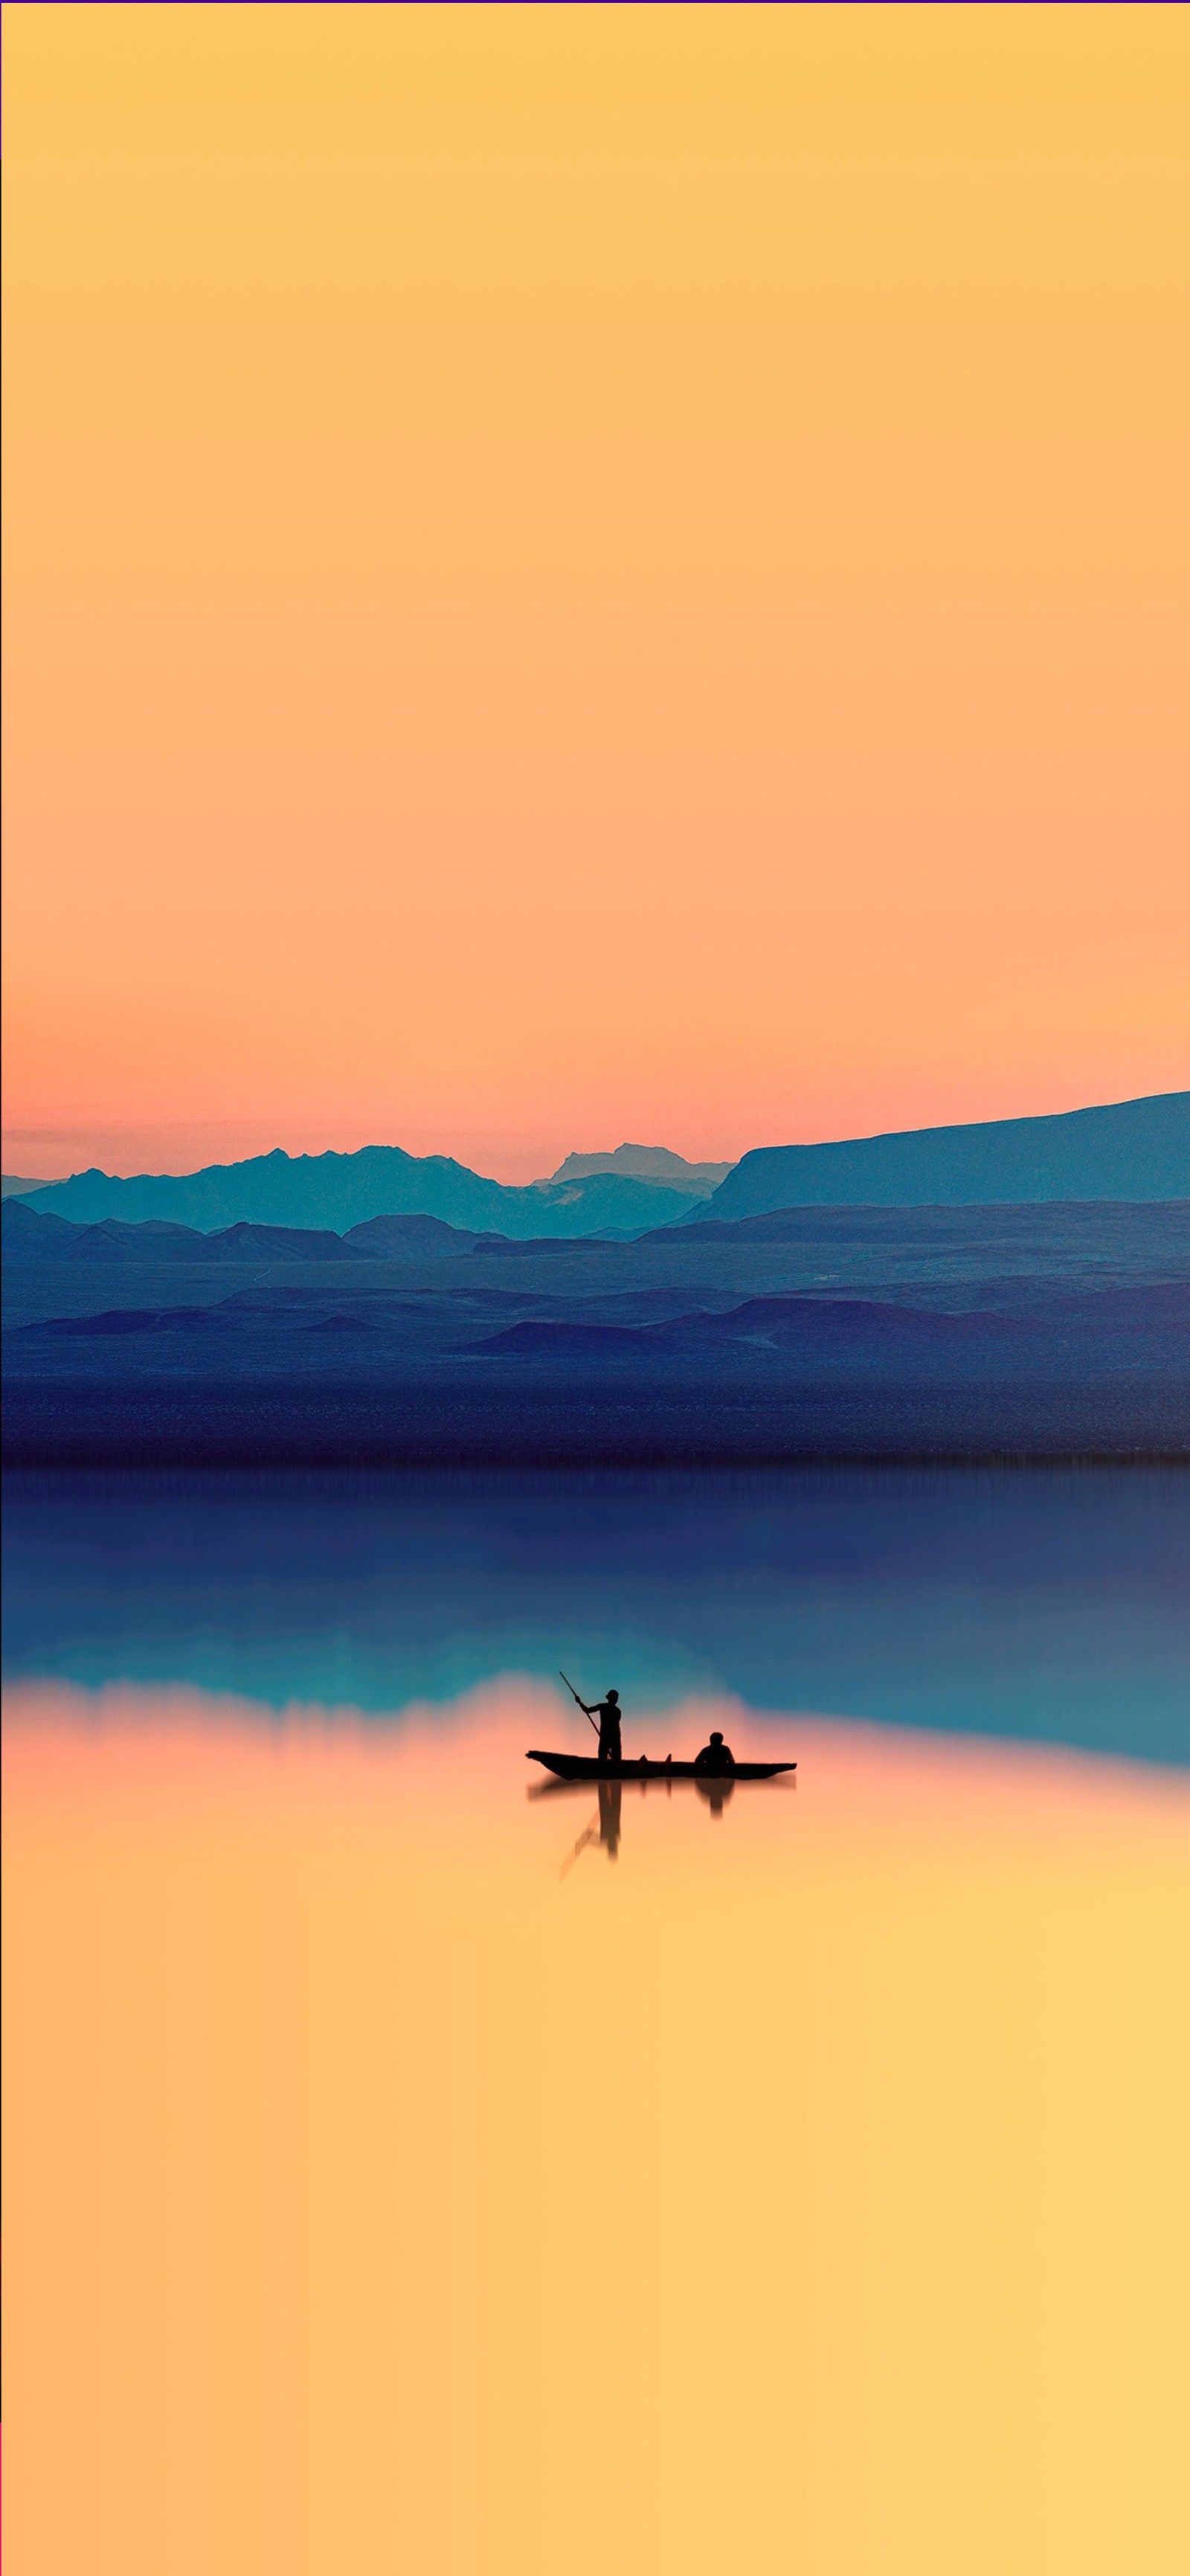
(716, 1758)
(608, 1713)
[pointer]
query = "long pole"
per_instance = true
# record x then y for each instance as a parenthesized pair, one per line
(574, 1695)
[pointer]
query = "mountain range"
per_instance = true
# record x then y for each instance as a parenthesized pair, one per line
(1131, 1149)
(885, 1297)
(1135, 1150)
(344, 1190)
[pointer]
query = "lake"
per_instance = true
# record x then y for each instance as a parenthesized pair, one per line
(415, 2163)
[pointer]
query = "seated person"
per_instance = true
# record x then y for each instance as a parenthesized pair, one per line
(715, 1756)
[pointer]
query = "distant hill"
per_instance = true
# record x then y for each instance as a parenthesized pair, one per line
(30, 1236)
(776, 1327)
(412, 1238)
(1132, 1150)
(344, 1190)
(13, 1187)
(647, 1163)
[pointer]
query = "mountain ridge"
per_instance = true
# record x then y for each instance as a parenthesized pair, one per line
(344, 1190)
(646, 1163)
(1130, 1150)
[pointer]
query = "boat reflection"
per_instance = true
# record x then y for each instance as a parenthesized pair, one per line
(603, 1829)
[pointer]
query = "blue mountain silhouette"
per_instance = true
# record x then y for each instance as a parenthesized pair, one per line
(1133, 1149)
(346, 1190)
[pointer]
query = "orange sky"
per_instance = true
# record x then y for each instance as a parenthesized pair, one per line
(589, 572)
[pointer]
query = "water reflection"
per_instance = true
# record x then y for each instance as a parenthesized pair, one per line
(604, 1829)
(320, 2071)
(715, 1793)
(1049, 1604)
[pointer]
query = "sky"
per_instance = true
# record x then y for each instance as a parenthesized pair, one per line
(590, 572)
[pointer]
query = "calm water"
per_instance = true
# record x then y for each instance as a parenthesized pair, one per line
(415, 2165)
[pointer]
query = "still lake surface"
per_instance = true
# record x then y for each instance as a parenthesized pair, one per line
(417, 2165)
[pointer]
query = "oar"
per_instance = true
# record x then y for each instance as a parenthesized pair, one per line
(574, 1695)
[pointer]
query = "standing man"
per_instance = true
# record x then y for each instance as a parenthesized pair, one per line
(608, 1713)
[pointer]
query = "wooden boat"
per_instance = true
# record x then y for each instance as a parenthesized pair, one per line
(584, 1766)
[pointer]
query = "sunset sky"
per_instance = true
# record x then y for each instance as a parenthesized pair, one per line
(591, 572)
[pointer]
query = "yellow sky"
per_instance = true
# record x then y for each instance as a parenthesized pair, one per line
(591, 571)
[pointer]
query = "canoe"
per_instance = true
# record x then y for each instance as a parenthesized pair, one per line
(583, 1766)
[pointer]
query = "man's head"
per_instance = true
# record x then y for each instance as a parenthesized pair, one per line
(613, 1697)
(716, 1738)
